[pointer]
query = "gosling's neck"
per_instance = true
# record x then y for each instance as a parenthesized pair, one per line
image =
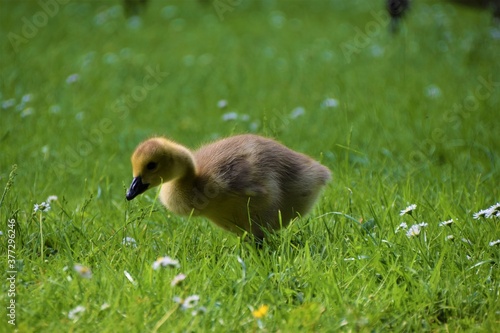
(177, 162)
(178, 194)
(186, 166)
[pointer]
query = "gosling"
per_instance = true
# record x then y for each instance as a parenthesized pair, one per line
(244, 183)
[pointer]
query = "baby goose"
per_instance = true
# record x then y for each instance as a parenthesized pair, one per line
(242, 183)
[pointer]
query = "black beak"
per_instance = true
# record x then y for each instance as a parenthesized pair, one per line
(136, 188)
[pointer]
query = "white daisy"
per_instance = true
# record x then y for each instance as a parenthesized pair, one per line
(72, 78)
(229, 116)
(297, 112)
(26, 98)
(200, 310)
(129, 241)
(330, 103)
(446, 223)
(8, 103)
(465, 240)
(493, 211)
(495, 242)
(191, 301)
(403, 226)
(165, 262)
(177, 279)
(83, 271)
(450, 237)
(481, 213)
(43, 207)
(105, 306)
(188, 303)
(27, 112)
(408, 210)
(75, 313)
(414, 231)
(222, 104)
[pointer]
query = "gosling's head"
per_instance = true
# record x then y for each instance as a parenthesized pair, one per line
(156, 161)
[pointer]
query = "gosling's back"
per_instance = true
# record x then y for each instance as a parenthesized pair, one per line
(253, 183)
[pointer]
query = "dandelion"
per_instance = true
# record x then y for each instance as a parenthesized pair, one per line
(177, 279)
(83, 271)
(493, 243)
(403, 226)
(72, 78)
(129, 241)
(52, 198)
(330, 103)
(260, 312)
(446, 223)
(297, 112)
(187, 303)
(76, 312)
(222, 104)
(165, 262)
(42, 208)
(408, 210)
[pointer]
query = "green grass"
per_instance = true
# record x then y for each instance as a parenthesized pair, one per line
(413, 125)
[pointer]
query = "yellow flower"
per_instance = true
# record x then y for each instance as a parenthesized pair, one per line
(260, 312)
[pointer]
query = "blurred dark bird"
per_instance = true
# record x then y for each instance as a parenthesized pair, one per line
(397, 9)
(493, 5)
(134, 7)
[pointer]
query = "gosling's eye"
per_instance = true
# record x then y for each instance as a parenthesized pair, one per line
(151, 165)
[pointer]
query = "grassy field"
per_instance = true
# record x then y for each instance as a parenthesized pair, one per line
(400, 119)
